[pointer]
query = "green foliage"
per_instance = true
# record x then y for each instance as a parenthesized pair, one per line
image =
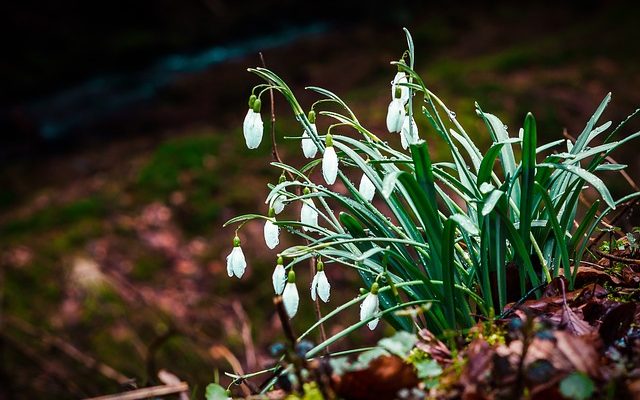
(215, 392)
(442, 232)
(428, 370)
(400, 344)
(310, 392)
(577, 386)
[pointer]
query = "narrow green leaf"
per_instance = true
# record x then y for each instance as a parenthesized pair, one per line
(491, 201)
(448, 271)
(587, 177)
(529, 140)
(486, 166)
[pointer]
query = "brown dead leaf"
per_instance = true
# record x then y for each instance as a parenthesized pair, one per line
(616, 322)
(574, 323)
(566, 352)
(431, 345)
(588, 274)
(477, 370)
(382, 379)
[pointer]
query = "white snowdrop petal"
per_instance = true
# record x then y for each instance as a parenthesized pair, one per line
(309, 148)
(308, 214)
(278, 203)
(372, 325)
(395, 115)
(238, 262)
(400, 77)
(369, 306)
(253, 129)
(330, 165)
(407, 137)
(323, 286)
(291, 299)
(314, 286)
(271, 233)
(279, 278)
(230, 264)
(366, 188)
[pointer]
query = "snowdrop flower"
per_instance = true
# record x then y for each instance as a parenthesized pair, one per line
(366, 188)
(236, 263)
(408, 138)
(400, 78)
(290, 296)
(320, 284)
(278, 203)
(329, 162)
(271, 231)
(370, 307)
(308, 213)
(395, 113)
(279, 277)
(309, 148)
(252, 128)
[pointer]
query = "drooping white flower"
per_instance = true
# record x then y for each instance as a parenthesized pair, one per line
(236, 263)
(271, 232)
(370, 307)
(309, 148)
(308, 212)
(290, 296)
(395, 115)
(278, 203)
(253, 128)
(320, 284)
(329, 162)
(400, 78)
(408, 138)
(366, 188)
(279, 277)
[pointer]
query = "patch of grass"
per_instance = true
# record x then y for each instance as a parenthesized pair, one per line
(178, 161)
(56, 216)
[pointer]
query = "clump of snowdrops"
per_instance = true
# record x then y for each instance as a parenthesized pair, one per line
(433, 237)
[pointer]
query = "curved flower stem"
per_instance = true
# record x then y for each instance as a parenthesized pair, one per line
(272, 108)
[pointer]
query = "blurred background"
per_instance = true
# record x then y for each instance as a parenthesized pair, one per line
(122, 156)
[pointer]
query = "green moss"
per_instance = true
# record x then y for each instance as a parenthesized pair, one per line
(147, 266)
(186, 157)
(56, 216)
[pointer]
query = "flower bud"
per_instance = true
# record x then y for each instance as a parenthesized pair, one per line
(257, 105)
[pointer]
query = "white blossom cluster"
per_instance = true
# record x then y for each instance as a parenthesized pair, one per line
(284, 282)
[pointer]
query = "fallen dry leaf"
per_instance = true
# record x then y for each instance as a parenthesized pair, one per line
(382, 379)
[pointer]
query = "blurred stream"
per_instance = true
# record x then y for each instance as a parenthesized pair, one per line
(96, 99)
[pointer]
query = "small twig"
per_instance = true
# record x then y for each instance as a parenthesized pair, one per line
(284, 320)
(612, 257)
(625, 175)
(219, 351)
(146, 393)
(67, 348)
(274, 145)
(625, 208)
(245, 330)
(153, 348)
(521, 301)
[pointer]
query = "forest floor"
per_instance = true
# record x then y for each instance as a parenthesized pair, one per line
(113, 251)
